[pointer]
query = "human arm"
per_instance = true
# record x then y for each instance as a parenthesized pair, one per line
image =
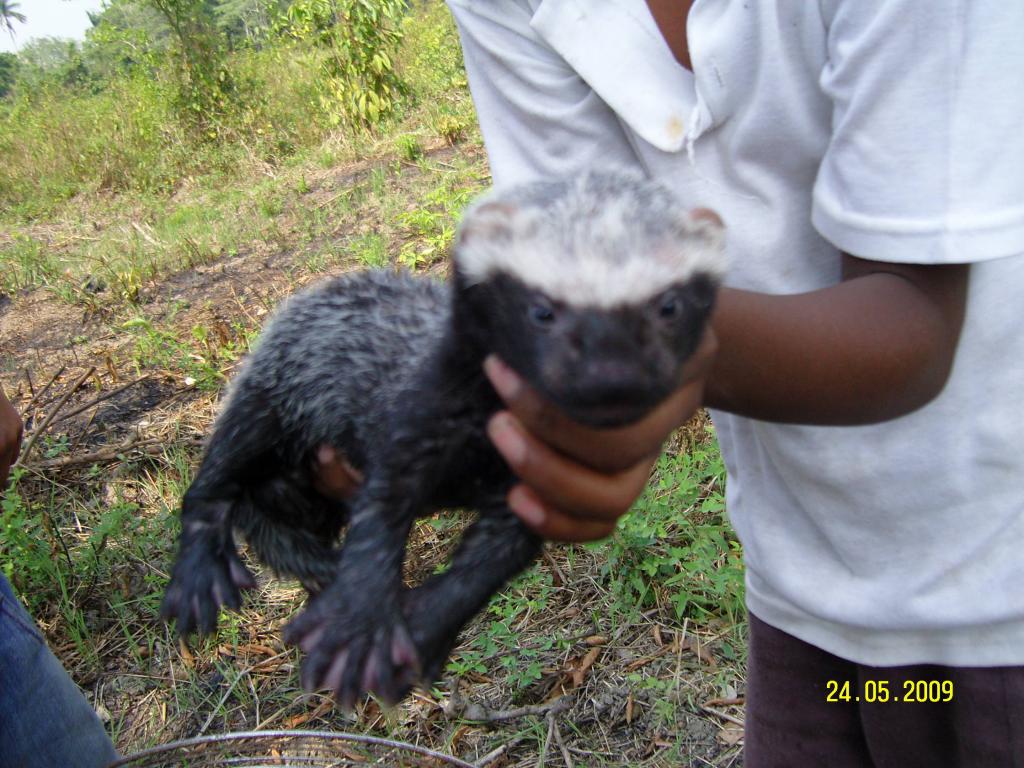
(877, 345)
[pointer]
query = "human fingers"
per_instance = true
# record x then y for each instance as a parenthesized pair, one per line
(553, 524)
(565, 499)
(609, 450)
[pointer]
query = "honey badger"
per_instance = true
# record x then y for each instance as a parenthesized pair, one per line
(595, 289)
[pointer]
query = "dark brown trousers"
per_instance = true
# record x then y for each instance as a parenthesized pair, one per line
(790, 723)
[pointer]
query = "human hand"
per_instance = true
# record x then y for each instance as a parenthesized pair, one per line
(10, 438)
(578, 481)
(333, 475)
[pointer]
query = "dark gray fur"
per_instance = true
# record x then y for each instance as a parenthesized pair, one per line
(387, 368)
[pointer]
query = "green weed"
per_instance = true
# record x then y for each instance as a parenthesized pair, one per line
(202, 359)
(500, 639)
(409, 147)
(675, 547)
(369, 250)
(25, 263)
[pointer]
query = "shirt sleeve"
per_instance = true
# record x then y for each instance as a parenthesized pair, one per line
(538, 117)
(926, 159)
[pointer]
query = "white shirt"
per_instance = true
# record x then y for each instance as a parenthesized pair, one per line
(889, 129)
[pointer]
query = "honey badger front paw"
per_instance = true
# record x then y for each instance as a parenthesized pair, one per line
(206, 576)
(353, 653)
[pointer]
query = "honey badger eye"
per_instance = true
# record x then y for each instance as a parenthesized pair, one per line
(542, 313)
(669, 306)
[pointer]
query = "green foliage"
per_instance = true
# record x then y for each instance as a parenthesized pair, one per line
(431, 228)
(520, 665)
(432, 65)
(409, 147)
(54, 144)
(432, 57)
(370, 250)
(8, 72)
(247, 21)
(205, 86)
(450, 128)
(26, 264)
(164, 91)
(52, 60)
(201, 358)
(359, 85)
(128, 37)
(42, 563)
(24, 554)
(675, 547)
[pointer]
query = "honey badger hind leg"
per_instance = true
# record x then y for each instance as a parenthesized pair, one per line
(493, 550)
(208, 573)
(293, 529)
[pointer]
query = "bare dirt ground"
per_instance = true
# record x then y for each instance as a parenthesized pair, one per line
(109, 425)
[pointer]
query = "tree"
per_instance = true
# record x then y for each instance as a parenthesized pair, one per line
(8, 15)
(8, 72)
(51, 59)
(247, 20)
(205, 87)
(358, 83)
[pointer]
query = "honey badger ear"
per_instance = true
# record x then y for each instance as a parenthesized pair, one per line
(492, 222)
(701, 234)
(704, 225)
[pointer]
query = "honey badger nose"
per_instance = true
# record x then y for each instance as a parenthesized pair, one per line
(611, 380)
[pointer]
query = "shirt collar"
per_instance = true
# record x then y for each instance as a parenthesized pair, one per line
(616, 47)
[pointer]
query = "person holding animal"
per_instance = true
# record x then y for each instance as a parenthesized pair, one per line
(44, 718)
(865, 363)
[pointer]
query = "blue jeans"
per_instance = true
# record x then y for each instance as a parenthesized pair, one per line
(44, 718)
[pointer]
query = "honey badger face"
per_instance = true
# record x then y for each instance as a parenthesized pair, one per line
(601, 314)
(602, 366)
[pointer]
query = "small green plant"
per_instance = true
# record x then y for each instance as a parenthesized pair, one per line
(25, 556)
(450, 128)
(500, 641)
(409, 147)
(201, 360)
(24, 263)
(675, 547)
(432, 226)
(369, 250)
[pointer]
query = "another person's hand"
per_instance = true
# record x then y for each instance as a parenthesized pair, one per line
(10, 438)
(578, 481)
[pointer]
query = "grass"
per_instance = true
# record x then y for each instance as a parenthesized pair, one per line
(171, 282)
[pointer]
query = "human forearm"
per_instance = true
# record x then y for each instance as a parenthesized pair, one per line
(877, 345)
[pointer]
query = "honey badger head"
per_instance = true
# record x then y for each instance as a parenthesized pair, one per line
(595, 289)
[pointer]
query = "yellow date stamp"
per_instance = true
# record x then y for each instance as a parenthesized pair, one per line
(882, 691)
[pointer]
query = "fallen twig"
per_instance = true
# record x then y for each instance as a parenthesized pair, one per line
(31, 441)
(558, 738)
(494, 754)
(723, 715)
(100, 399)
(458, 707)
(151, 447)
(38, 396)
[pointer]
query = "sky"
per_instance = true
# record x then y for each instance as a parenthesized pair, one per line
(49, 18)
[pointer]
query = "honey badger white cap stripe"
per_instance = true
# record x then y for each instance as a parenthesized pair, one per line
(628, 239)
